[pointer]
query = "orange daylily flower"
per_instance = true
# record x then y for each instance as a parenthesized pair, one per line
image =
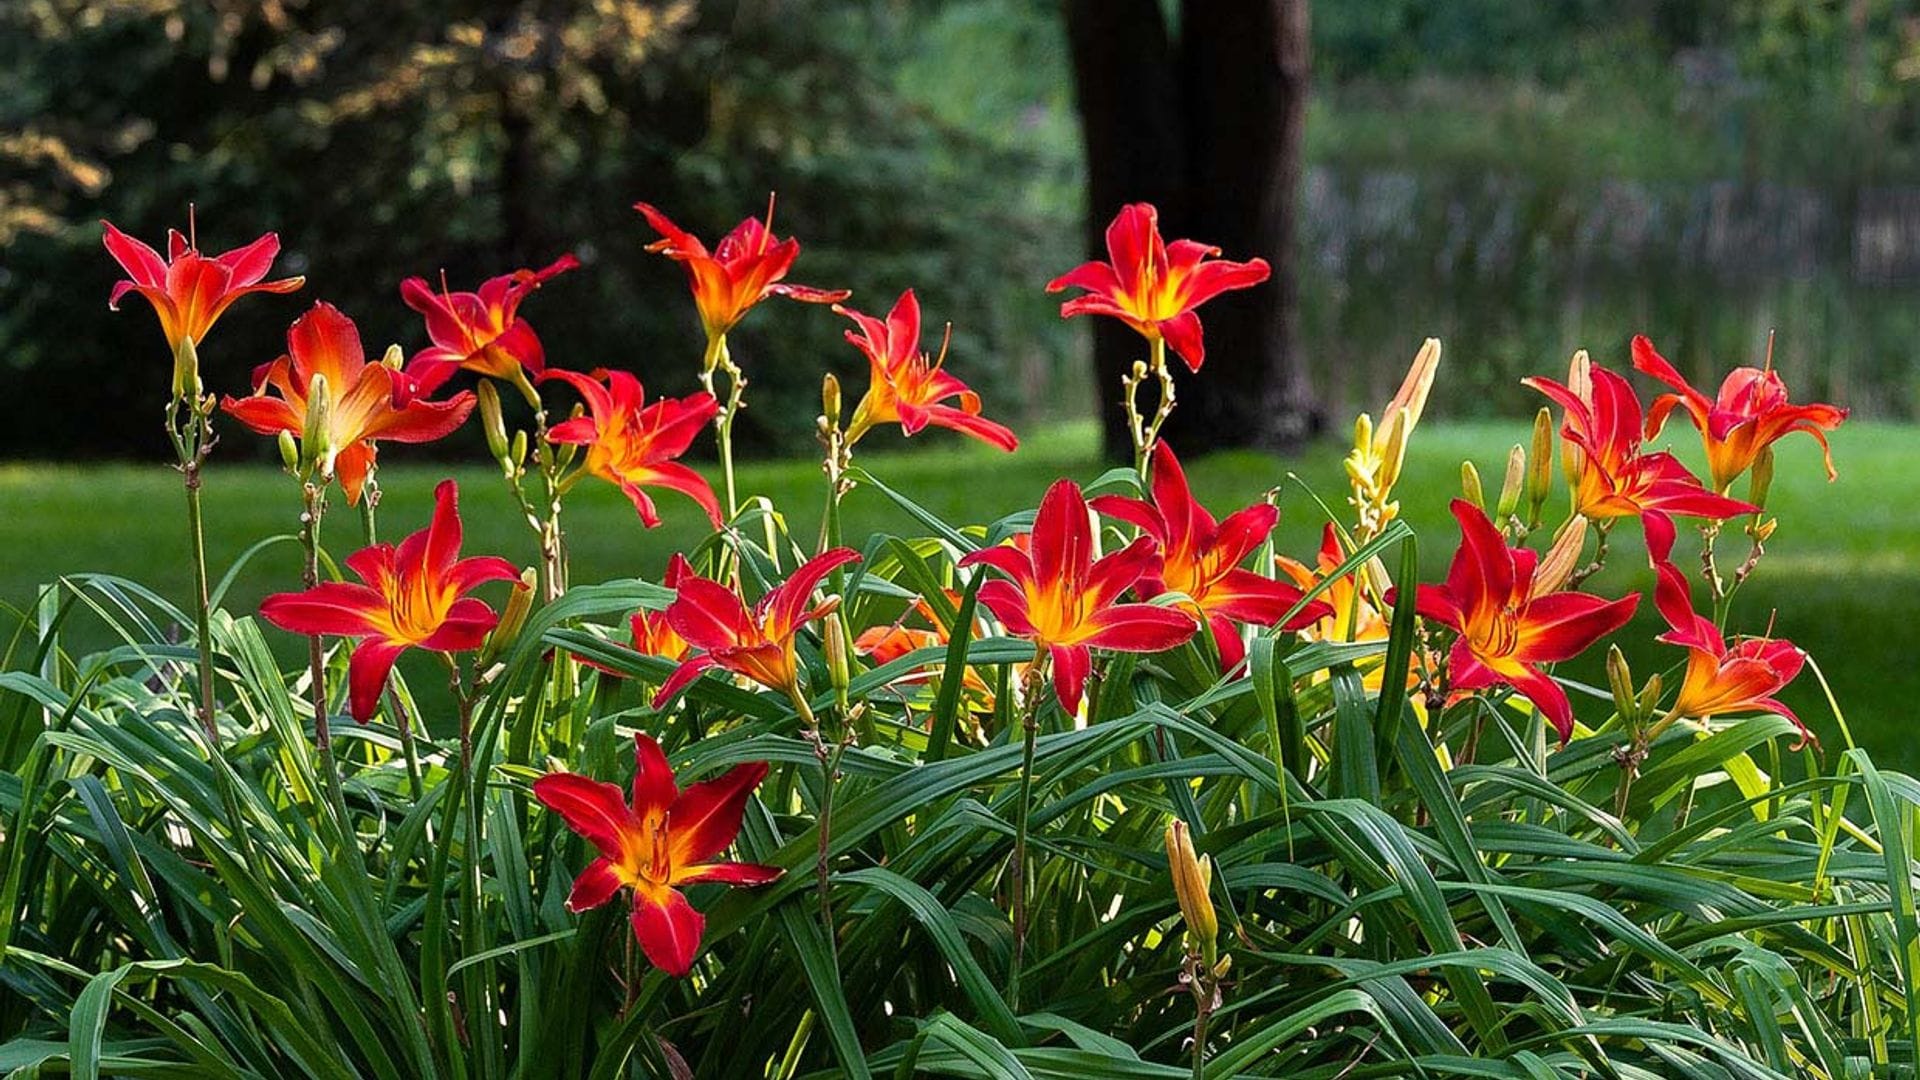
(904, 388)
(665, 839)
(1616, 478)
(1154, 286)
(757, 643)
(1201, 558)
(480, 331)
(884, 644)
(188, 290)
(1063, 600)
(1721, 678)
(1352, 617)
(1750, 413)
(367, 402)
(632, 445)
(747, 266)
(413, 598)
(1506, 628)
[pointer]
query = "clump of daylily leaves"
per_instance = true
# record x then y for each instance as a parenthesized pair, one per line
(1141, 571)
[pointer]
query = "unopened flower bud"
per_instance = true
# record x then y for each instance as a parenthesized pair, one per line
(1540, 462)
(1192, 878)
(1557, 565)
(1470, 485)
(492, 422)
(517, 450)
(1650, 695)
(394, 358)
(316, 437)
(1513, 483)
(1620, 681)
(186, 371)
(830, 399)
(513, 618)
(1763, 532)
(290, 452)
(1761, 478)
(837, 666)
(1139, 370)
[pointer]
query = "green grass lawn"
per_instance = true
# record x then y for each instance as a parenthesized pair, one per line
(1842, 573)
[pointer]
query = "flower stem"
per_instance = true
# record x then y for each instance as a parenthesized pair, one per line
(1147, 432)
(313, 508)
(1031, 692)
(1201, 1014)
(730, 408)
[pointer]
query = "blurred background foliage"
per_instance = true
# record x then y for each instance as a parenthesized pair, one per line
(1520, 179)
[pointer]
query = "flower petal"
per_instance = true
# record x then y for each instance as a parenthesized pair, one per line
(668, 928)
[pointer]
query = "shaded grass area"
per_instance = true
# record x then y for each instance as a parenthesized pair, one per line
(1841, 578)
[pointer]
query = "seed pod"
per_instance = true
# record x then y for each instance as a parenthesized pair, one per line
(1470, 485)
(1192, 878)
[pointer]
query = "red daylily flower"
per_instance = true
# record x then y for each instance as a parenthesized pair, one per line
(1153, 286)
(667, 838)
(480, 331)
(757, 643)
(188, 290)
(904, 388)
(1063, 600)
(632, 445)
(747, 266)
(1722, 679)
(413, 597)
(1750, 414)
(1201, 558)
(368, 402)
(1505, 630)
(1615, 477)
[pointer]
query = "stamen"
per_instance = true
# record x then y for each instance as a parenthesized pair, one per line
(946, 339)
(193, 233)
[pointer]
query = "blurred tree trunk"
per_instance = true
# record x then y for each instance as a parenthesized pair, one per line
(1208, 128)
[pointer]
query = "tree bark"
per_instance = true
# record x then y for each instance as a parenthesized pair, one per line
(1208, 129)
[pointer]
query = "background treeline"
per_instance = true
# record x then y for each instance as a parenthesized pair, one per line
(1519, 178)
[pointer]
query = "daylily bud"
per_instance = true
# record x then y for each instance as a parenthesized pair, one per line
(1650, 695)
(1557, 565)
(1513, 485)
(1470, 484)
(1363, 436)
(394, 358)
(517, 450)
(836, 650)
(317, 435)
(1399, 428)
(1192, 878)
(1139, 370)
(1620, 681)
(830, 399)
(494, 424)
(1580, 382)
(1761, 479)
(290, 452)
(513, 618)
(1763, 532)
(1540, 475)
(186, 371)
